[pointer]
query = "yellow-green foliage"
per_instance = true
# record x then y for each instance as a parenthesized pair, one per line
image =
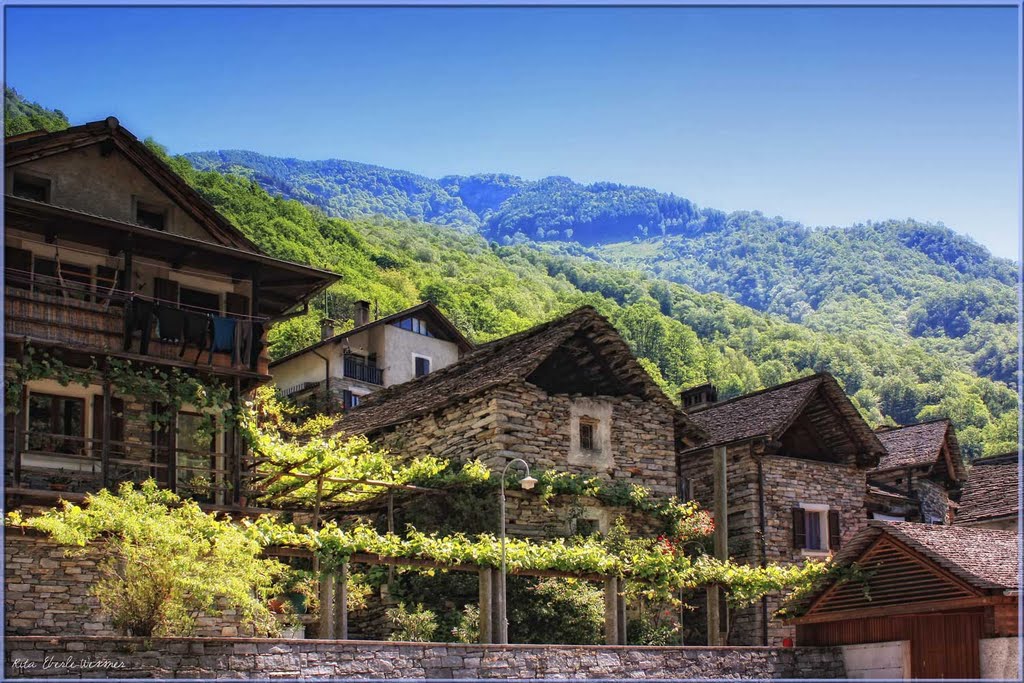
(165, 561)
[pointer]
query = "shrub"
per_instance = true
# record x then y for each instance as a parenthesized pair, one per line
(468, 628)
(417, 626)
(165, 560)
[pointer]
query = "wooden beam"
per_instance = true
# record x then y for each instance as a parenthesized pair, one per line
(341, 603)
(928, 607)
(611, 611)
(326, 606)
(486, 605)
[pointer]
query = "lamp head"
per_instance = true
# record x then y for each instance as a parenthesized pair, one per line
(527, 482)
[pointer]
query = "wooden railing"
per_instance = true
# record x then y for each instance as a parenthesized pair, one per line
(94, 323)
(59, 462)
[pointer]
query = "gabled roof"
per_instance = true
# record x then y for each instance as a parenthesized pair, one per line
(906, 564)
(991, 490)
(20, 149)
(769, 414)
(921, 445)
(987, 559)
(581, 347)
(427, 309)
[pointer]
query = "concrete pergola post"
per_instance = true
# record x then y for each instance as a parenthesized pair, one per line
(326, 606)
(341, 604)
(486, 605)
(611, 611)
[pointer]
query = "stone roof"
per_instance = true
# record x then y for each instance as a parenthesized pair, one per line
(581, 349)
(987, 559)
(920, 445)
(991, 490)
(769, 413)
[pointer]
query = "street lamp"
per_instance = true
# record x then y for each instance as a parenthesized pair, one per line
(527, 483)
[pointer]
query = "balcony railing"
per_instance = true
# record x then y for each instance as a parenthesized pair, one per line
(363, 371)
(77, 465)
(81, 316)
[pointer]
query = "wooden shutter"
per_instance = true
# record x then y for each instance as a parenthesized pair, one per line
(19, 261)
(833, 529)
(799, 528)
(165, 290)
(163, 441)
(236, 304)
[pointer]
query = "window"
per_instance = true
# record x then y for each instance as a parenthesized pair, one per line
(194, 461)
(348, 399)
(31, 187)
(56, 424)
(195, 299)
(587, 435)
(150, 215)
(422, 365)
(815, 528)
(416, 325)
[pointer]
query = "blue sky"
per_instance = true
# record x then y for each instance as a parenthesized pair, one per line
(826, 116)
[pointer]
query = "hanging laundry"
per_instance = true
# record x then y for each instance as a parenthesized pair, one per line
(223, 336)
(256, 345)
(197, 332)
(170, 324)
(243, 342)
(138, 315)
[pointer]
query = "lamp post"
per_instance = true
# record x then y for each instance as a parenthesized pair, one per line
(527, 483)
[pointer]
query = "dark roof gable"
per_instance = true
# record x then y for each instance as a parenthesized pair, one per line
(770, 413)
(581, 347)
(921, 445)
(27, 147)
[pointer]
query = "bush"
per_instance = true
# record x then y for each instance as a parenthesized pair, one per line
(416, 626)
(166, 561)
(468, 628)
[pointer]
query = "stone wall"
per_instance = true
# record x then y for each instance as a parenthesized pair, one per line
(1000, 658)
(788, 483)
(47, 592)
(251, 658)
(935, 503)
(523, 421)
(878, 661)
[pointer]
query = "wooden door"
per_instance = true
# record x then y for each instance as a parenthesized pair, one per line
(946, 646)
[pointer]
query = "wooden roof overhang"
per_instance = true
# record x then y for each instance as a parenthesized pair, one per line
(899, 581)
(283, 285)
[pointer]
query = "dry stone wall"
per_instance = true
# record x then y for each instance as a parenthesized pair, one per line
(48, 592)
(251, 658)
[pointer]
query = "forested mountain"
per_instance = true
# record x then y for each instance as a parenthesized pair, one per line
(22, 116)
(491, 288)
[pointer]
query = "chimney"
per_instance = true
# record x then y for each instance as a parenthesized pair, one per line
(699, 397)
(326, 328)
(362, 313)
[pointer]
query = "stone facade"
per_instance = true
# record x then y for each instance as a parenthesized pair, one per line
(520, 420)
(936, 506)
(788, 483)
(251, 658)
(48, 592)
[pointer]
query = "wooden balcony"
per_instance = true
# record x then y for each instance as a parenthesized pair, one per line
(95, 324)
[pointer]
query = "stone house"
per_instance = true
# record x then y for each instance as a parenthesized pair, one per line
(110, 255)
(567, 395)
(795, 459)
(920, 475)
(989, 497)
(340, 370)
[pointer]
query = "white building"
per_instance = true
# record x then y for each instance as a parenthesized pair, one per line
(334, 373)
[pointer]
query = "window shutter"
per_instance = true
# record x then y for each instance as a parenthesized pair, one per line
(165, 290)
(833, 529)
(236, 304)
(346, 399)
(799, 528)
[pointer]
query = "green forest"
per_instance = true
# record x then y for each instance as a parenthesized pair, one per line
(915, 321)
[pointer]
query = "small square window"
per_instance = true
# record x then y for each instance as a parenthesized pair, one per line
(586, 435)
(150, 216)
(422, 366)
(31, 187)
